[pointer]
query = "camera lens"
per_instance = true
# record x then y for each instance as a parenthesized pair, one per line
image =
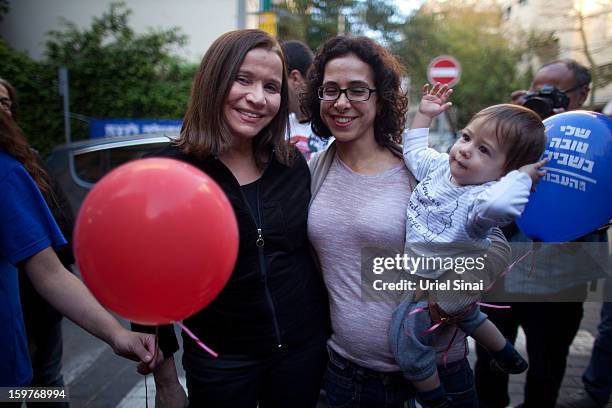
(541, 106)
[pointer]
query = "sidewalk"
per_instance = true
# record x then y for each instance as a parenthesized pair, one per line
(577, 361)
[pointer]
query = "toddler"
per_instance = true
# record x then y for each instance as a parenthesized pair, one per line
(482, 183)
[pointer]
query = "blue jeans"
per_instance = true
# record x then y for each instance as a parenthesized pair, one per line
(349, 385)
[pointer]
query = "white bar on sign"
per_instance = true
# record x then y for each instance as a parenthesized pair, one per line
(444, 72)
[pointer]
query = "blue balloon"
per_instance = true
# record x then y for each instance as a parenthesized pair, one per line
(574, 198)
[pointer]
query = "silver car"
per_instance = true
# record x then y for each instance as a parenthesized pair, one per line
(77, 166)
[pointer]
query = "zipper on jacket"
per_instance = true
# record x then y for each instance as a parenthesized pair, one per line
(262, 264)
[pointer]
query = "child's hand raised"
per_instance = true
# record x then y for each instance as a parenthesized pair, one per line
(534, 171)
(435, 101)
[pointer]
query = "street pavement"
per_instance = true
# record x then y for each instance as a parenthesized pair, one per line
(98, 378)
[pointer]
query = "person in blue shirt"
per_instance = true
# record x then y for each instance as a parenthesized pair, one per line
(28, 234)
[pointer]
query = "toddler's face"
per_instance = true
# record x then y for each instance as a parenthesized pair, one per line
(477, 157)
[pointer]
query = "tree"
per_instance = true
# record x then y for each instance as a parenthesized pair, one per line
(115, 72)
(573, 27)
(471, 33)
(39, 105)
(601, 75)
(314, 21)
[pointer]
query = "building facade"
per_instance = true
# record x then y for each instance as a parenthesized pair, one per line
(575, 27)
(25, 26)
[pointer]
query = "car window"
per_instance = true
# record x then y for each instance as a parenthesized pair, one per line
(90, 167)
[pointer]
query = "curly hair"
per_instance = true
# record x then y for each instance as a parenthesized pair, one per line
(392, 101)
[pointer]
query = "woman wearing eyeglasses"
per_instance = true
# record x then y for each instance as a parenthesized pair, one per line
(360, 191)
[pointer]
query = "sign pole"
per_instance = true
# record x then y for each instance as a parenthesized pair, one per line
(63, 91)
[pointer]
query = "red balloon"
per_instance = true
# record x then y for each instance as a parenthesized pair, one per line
(156, 240)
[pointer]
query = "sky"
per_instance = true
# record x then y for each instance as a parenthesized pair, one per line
(407, 6)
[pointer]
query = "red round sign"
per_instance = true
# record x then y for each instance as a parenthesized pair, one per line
(444, 69)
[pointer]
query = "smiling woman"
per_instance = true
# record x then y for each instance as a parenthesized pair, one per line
(360, 193)
(269, 324)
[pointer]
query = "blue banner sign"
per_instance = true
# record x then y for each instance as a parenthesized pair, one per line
(126, 127)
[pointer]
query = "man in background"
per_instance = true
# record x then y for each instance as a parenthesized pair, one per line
(549, 298)
(299, 58)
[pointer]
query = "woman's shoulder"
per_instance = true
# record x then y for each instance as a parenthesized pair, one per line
(8, 165)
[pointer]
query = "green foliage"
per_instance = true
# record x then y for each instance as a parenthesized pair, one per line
(39, 105)
(113, 73)
(314, 21)
(311, 21)
(473, 35)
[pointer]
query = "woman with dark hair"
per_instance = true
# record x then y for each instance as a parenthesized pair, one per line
(270, 323)
(43, 323)
(360, 192)
(28, 234)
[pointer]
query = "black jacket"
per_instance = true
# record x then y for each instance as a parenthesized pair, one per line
(275, 296)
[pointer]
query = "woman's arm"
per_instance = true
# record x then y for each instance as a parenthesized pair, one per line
(169, 391)
(70, 297)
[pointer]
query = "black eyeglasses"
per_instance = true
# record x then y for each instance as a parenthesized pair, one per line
(354, 94)
(6, 103)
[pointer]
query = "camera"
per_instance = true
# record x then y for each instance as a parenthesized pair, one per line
(544, 100)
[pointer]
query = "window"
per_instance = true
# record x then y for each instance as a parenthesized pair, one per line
(90, 167)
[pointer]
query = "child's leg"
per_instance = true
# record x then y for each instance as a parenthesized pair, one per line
(410, 343)
(417, 360)
(489, 336)
(505, 357)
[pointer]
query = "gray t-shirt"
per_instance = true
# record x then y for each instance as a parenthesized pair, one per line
(351, 211)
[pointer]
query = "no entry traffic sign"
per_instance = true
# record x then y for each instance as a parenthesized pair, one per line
(444, 69)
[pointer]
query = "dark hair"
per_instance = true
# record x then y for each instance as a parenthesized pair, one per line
(582, 75)
(518, 130)
(392, 102)
(12, 94)
(13, 142)
(204, 131)
(297, 55)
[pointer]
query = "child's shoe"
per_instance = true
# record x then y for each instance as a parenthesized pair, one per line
(508, 360)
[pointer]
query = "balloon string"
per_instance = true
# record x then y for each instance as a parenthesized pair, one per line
(198, 341)
(508, 269)
(493, 306)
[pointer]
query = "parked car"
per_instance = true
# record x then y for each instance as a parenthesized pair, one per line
(78, 166)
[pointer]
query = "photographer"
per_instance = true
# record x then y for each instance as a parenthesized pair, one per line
(549, 294)
(558, 86)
